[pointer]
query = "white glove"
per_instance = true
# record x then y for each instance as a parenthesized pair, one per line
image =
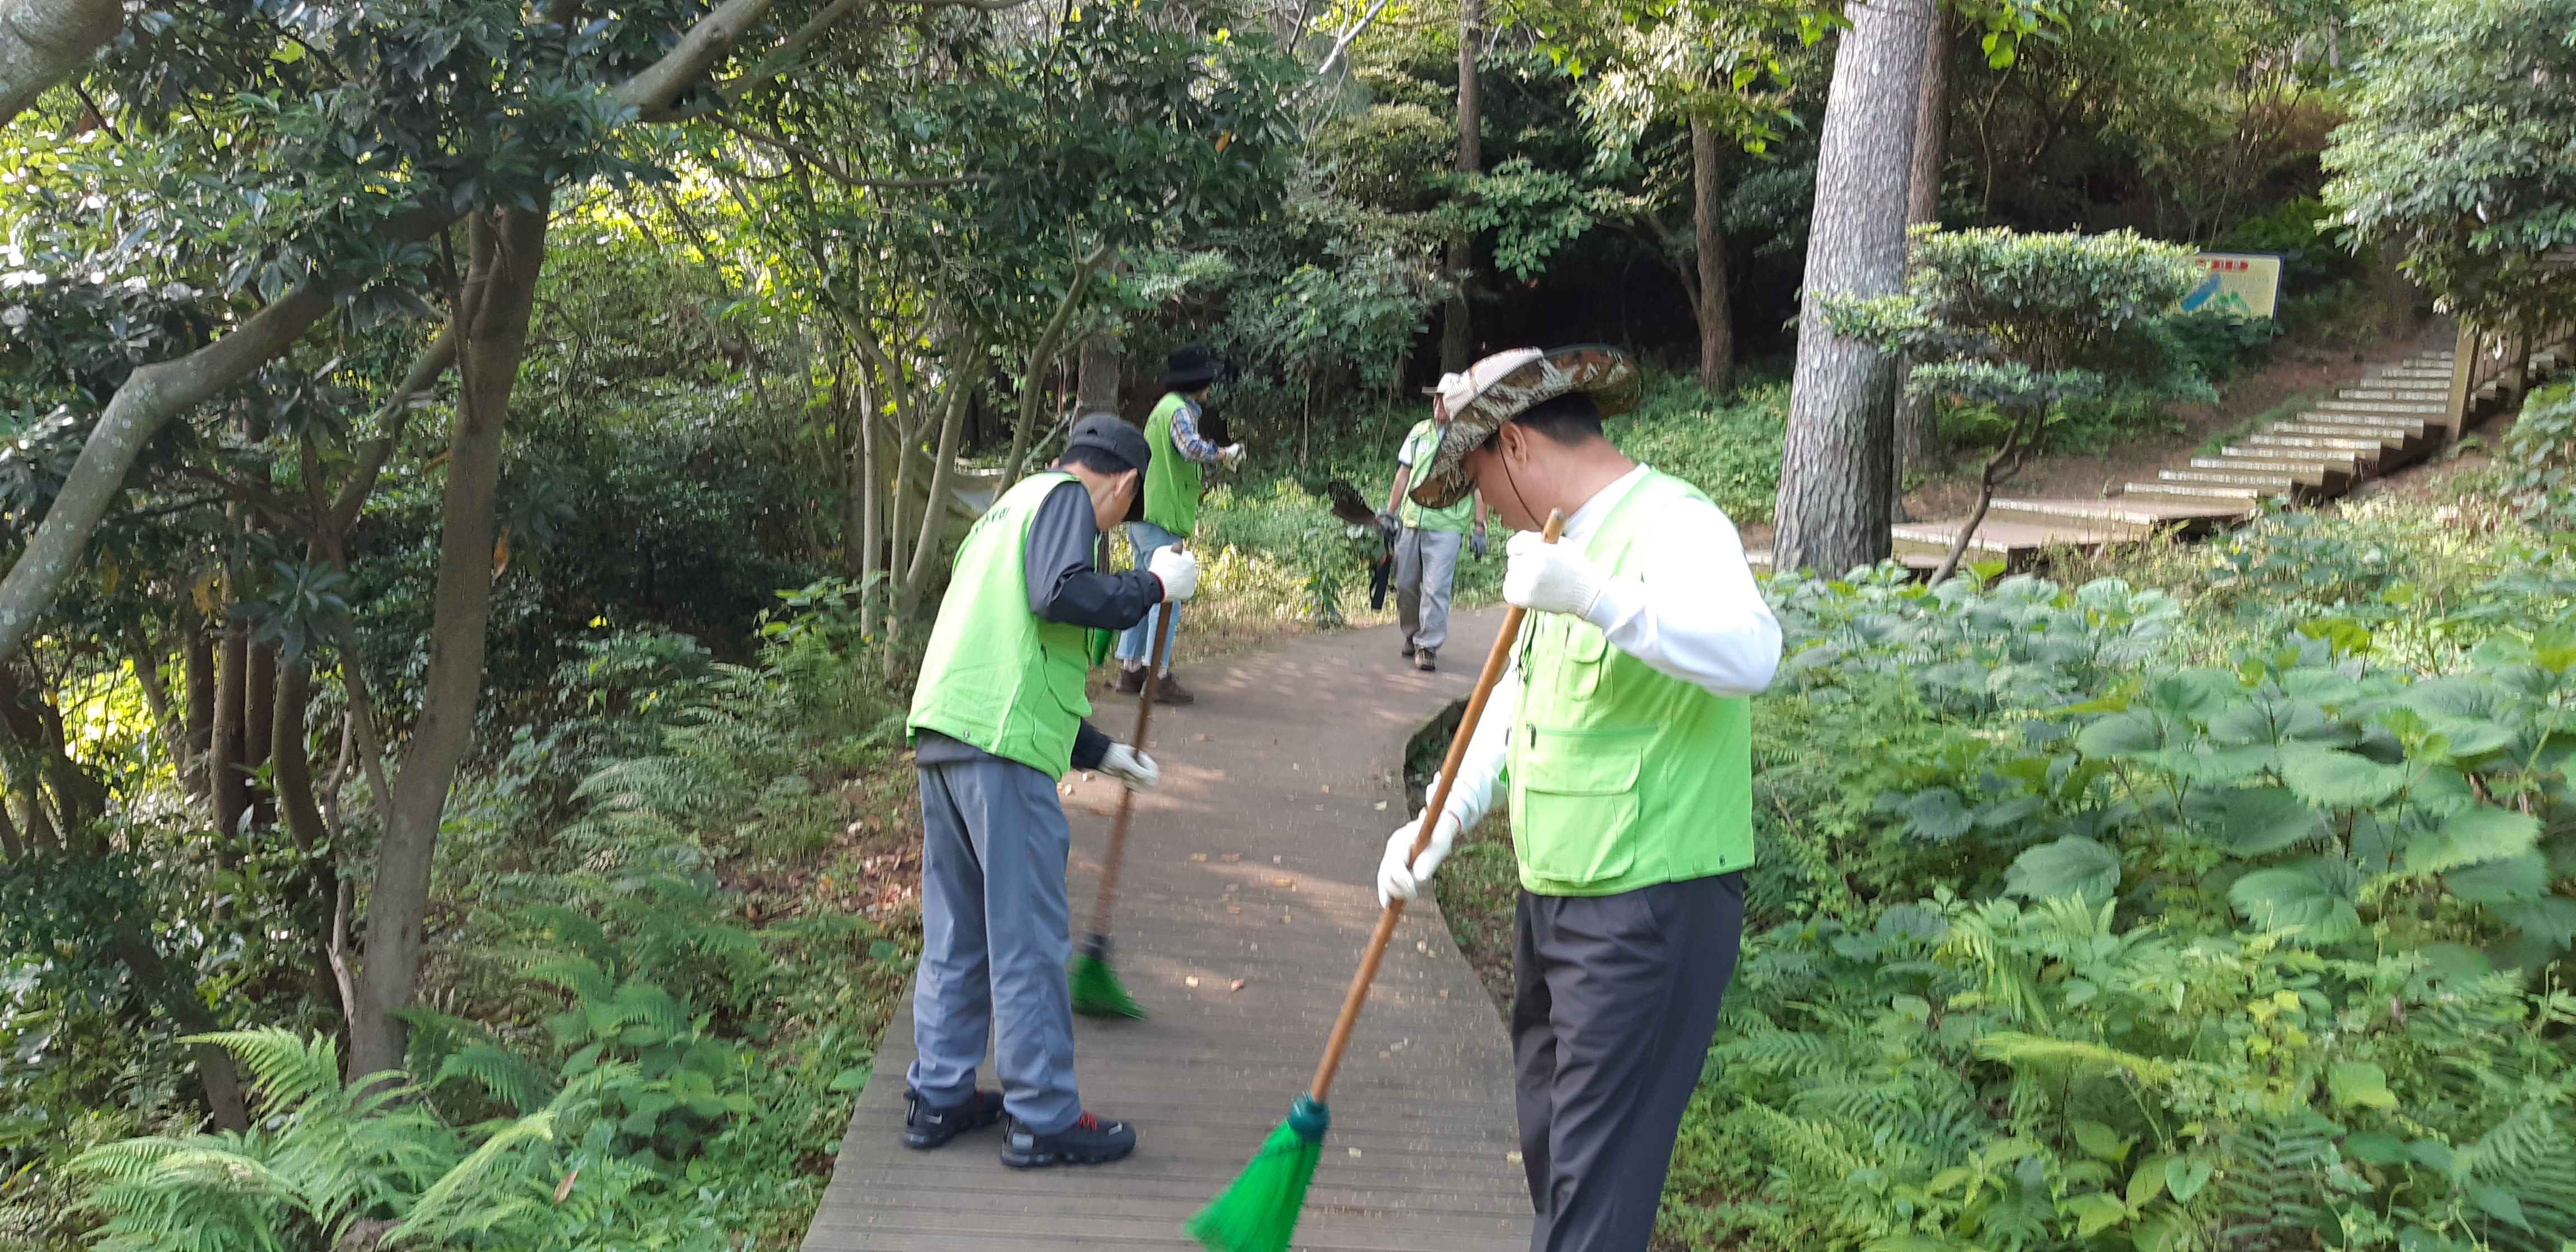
(1131, 767)
(1178, 570)
(1231, 454)
(1550, 577)
(1398, 881)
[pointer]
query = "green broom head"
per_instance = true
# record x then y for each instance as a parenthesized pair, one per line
(1259, 1212)
(1096, 989)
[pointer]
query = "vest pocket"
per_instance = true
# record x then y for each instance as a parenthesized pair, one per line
(1578, 800)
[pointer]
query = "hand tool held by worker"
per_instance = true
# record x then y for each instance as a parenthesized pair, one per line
(1231, 453)
(1178, 570)
(1131, 767)
(1545, 577)
(1397, 880)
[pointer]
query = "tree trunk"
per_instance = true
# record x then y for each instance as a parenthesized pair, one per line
(231, 787)
(1838, 459)
(1457, 326)
(508, 250)
(1708, 205)
(934, 509)
(1095, 386)
(291, 770)
(44, 42)
(198, 664)
(259, 719)
(146, 660)
(131, 945)
(1918, 433)
(1041, 356)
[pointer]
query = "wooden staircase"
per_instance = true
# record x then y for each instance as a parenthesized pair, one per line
(2393, 416)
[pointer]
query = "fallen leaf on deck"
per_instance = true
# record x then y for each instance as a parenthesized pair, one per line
(1381, 806)
(1232, 857)
(1238, 985)
(1283, 882)
(1328, 788)
(1198, 856)
(1191, 981)
(1234, 910)
(1100, 812)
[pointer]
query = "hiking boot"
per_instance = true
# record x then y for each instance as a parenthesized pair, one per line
(1168, 690)
(1408, 649)
(1423, 661)
(1088, 1141)
(1131, 681)
(925, 1127)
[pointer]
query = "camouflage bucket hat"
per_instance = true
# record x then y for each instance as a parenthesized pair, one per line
(1503, 386)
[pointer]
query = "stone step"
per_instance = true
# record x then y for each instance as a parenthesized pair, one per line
(2324, 475)
(2373, 423)
(2394, 408)
(2004, 537)
(2269, 484)
(2386, 437)
(2347, 445)
(2199, 493)
(2429, 394)
(2124, 516)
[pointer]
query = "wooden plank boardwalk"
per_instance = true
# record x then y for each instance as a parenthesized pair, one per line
(1255, 860)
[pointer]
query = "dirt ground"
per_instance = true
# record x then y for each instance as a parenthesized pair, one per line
(2295, 370)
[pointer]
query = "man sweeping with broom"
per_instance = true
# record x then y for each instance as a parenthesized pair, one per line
(1627, 748)
(996, 720)
(1634, 636)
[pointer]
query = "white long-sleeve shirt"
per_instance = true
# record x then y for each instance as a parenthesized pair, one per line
(1693, 612)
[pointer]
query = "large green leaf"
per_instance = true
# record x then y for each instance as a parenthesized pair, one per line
(2338, 780)
(2469, 838)
(2073, 866)
(2315, 895)
(2502, 881)
(2265, 819)
(2120, 735)
(2549, 921)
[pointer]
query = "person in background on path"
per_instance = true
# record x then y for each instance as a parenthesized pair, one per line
(1427, 540)
(1171, 503)
(995, 722)
(1625, 738)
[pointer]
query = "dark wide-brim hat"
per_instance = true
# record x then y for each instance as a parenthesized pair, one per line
(1190, 367)
(1504, 386)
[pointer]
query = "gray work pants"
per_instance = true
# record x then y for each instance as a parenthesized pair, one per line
(1616, 998)
(994, 941)
(1426, 562)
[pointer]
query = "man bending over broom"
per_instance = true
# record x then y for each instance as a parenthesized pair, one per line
(996, 720)
(1625, 736)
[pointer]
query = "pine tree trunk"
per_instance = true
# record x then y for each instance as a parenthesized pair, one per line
(1708, 204)
(1095, 386)
(1918, 433)
(199, 666)
(509, 250)
(1838, 458)
(1457, 326)
(259, 718)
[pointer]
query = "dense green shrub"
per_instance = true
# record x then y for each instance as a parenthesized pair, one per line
(2100, 917)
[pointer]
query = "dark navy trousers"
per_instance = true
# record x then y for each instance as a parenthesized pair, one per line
(1616, 999)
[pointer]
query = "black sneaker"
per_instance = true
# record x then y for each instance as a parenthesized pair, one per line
(1408, 649)
(925, 1127)
(1088, 1141)
(1423, 661)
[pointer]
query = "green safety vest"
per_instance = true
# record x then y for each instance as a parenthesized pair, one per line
(1622, 776)
(1424, 446)
(997, 675)
(1171, 480)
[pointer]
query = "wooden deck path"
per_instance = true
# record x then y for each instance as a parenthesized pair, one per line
(1255, 860)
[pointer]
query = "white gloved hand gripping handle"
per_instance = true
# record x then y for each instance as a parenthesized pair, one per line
(1178, 571)
(1375, 953)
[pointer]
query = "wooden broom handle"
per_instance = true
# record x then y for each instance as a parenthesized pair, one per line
(1495, 659)
(1109, 860)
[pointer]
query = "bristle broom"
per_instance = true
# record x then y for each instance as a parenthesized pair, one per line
(1096, 989)
(1259, 1212)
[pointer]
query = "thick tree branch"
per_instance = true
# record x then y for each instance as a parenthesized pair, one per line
(833, 169)
(1039, 355)
(43, 42)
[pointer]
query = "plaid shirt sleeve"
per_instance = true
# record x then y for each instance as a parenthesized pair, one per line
(1185, 435)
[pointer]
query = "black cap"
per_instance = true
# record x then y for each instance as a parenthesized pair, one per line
(1108, 433)
(1111, 434)
(1189, 367)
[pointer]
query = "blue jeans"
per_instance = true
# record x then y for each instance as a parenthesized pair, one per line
(994, 941)
(1145, 537)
